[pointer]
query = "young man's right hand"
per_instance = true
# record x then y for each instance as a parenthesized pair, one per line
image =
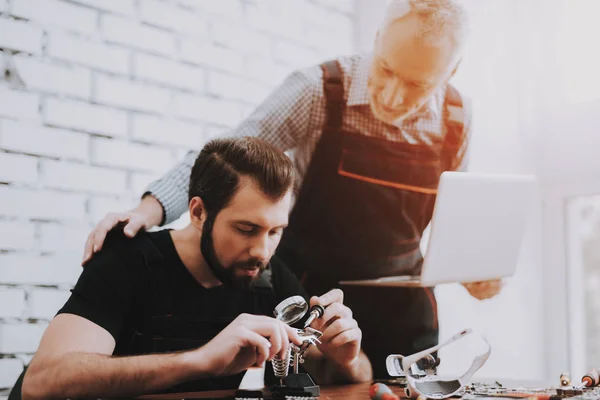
(248, 341)
(146, 215)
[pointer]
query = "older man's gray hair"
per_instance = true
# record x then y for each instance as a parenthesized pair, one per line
(439, 18)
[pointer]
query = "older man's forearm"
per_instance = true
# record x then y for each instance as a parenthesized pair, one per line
(78, 375)
(171, 191)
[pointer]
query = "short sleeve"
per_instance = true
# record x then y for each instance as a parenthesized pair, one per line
(105, 291)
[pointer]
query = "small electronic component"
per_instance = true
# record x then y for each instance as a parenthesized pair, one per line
(565, 379)
(380, 391)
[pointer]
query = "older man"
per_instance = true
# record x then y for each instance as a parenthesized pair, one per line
(371, 136)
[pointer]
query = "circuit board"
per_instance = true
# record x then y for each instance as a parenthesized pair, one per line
(494, 391)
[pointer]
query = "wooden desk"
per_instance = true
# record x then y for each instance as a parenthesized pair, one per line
(359, 391)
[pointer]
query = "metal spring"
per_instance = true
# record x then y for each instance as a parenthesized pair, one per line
(281, 366)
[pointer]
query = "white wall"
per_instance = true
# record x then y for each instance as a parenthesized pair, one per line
(490, 75)
(104, 96)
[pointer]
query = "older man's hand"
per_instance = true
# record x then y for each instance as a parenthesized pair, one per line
(484, 290)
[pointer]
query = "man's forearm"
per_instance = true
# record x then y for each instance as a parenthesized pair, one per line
(151, 208)
(171, 190)
(74, 375)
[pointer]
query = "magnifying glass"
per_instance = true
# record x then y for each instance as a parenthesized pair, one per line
(291, 310)
(433, 386)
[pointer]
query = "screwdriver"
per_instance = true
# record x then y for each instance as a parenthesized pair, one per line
(316, 311)
(590, 379)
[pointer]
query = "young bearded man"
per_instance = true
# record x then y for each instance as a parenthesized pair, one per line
(190, 309)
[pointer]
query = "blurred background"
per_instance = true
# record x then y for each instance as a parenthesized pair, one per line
(100, 97)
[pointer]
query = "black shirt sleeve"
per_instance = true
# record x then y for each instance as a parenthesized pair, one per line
(108, 285)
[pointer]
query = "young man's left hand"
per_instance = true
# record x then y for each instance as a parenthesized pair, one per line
(341, 335)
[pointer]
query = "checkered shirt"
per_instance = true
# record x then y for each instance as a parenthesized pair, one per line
(292, 119)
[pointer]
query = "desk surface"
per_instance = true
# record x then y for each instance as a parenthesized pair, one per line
(359, 391)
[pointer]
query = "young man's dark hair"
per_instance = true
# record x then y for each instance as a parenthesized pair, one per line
(216, 174)
(171, 308)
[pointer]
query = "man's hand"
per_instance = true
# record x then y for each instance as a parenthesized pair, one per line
(248, 341)
(341, 335)
(484, 290)
(146, 215)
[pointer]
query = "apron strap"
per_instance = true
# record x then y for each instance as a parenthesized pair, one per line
(333, 87)
(454, 119)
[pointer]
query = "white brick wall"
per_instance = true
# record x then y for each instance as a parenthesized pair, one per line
(140, 180)
(123, 93)
(26, 203)
(132, 33)
(89, 53)
(103, 96)
(77, 177)
(203, 53)
(61, 238)
(10, 369)
(222, 112)
(157, 130)
(167, 72)
(16, 104)
(173, 17)
(100, 206)
(18, 35)
(17, 168)
(125, 7)
(20, 337)
(53, 78)
(85, 117)
(114, 153)
(16, 235)
(35, 139)
(44, 303)
(12, 303)
(19, 269)
(57, 13)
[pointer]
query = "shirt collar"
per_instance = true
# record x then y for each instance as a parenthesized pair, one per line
(359, 93)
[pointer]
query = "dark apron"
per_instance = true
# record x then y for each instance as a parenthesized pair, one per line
(360, 213)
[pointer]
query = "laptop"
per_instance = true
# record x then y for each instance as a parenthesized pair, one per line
(476, 231)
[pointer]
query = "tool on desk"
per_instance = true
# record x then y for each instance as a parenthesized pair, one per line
(592, 378)
(380, 391)
(290, 311)
(565, 379)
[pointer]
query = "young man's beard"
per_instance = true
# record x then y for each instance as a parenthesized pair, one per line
(227, 276)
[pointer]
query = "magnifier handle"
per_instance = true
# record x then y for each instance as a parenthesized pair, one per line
(316, 311)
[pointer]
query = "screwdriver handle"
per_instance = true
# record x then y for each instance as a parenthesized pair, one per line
(591, 378)
(316, 311)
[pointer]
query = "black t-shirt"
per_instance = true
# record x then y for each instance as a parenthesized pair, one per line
(140, 291)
